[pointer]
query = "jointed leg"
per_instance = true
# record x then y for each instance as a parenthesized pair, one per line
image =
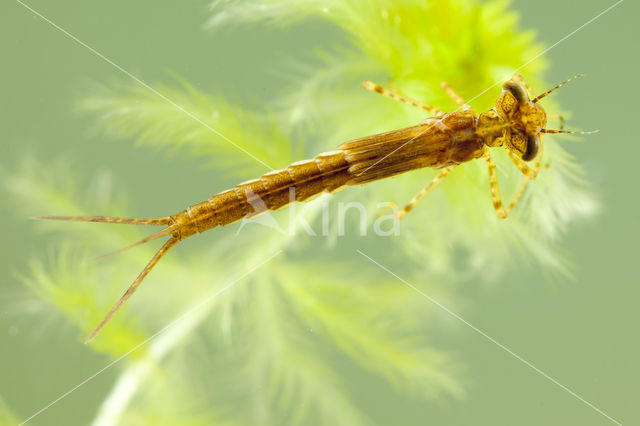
(400, 98)
(423, 193)
(495, 190)
(529, 172)
(454, 95)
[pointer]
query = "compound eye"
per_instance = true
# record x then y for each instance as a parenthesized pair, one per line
(533, 147)
(517, 90)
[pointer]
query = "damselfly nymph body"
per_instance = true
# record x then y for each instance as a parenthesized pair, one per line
(443, 142)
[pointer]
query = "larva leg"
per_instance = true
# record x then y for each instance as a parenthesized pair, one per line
(392, 94)
(529, 172)
(454, 95)
(495, 190)
(423, 193)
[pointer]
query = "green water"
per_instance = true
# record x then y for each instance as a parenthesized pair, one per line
(582, 332)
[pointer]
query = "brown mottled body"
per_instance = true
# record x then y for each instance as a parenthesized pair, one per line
(437, 142)
(325, 173)
(440, 142)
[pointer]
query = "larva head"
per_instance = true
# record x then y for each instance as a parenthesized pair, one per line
(517, 121)
(524, 120)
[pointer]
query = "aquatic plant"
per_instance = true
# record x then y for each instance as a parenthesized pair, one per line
(285, 344)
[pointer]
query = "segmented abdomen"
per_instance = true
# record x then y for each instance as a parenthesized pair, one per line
(437, 142)
(299, 182)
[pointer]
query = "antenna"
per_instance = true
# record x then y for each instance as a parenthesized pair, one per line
(539, 97)
(574, 132)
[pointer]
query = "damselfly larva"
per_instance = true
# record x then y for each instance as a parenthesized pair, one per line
(442, 142)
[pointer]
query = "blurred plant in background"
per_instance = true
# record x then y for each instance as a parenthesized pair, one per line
(285, 343)
(6, 416)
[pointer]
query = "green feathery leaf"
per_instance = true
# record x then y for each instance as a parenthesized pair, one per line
(280, 345)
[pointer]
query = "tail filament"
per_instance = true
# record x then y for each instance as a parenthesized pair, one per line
(171, 229)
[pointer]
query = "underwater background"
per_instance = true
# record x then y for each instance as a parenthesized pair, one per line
(316, 333)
